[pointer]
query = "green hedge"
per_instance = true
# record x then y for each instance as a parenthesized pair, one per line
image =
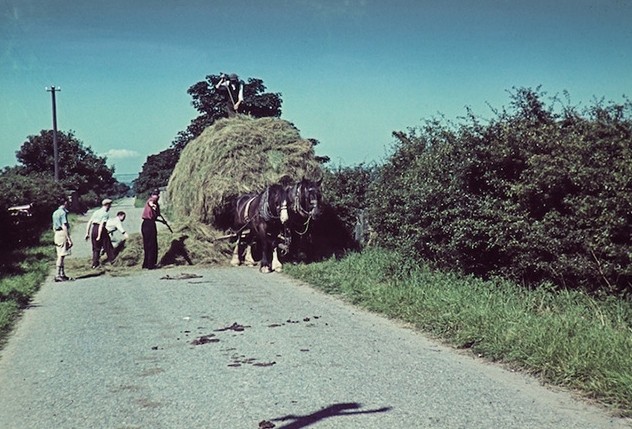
(17, 189)
(531, 194)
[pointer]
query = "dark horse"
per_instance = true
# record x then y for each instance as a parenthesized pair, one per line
(260, 217)
(304, 202)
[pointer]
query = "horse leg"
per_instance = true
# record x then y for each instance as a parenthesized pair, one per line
(276, 264)
(236, 259)
(266, 253)
(248, 259)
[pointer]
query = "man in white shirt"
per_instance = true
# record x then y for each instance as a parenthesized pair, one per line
(116, 224)
(96, 231)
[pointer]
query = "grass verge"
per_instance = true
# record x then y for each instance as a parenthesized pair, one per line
(564, 337)
(22, 272)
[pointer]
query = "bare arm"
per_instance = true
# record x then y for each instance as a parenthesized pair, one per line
(67, 234)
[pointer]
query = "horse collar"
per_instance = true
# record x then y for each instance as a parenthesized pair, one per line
(297, 203)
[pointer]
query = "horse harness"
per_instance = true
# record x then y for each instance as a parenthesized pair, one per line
(264, 209)
(298, 208)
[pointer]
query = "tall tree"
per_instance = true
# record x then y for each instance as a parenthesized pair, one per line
(79, 168)
(156, 170)
(210, 103)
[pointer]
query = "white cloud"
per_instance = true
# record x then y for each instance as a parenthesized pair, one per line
(121, 154)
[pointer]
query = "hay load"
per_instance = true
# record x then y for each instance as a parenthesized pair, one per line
(232, 157)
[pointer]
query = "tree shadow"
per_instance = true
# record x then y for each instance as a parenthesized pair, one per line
(334, 410)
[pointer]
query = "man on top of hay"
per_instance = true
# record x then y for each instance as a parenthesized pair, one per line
(233, 88)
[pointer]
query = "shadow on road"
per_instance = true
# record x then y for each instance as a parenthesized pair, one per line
(89, 275)
(335, 410)
(177, 250)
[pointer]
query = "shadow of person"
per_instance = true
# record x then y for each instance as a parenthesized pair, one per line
(177, 249)
(335, 410)
(90, 275)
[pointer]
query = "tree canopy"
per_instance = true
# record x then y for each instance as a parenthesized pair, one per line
(80, 169)
(210, 103)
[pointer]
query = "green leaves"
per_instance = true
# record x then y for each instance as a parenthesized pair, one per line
(79, 168)
(211, 105)
(532, 195)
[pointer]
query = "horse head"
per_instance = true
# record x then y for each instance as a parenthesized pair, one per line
(274, 204)
(307, 198)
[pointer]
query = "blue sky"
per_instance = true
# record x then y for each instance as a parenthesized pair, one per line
(350, 71)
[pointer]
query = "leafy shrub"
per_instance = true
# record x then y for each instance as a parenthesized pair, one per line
(345, 192)
(531, 195)
(80, 169)
(17, 189)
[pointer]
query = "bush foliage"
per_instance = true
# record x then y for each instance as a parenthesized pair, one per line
(80, 169)
(531, 194)
(16, 189)
(345, 195)
(83, 176)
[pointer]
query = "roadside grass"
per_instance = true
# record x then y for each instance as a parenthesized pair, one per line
(566, 338)
(22, 272)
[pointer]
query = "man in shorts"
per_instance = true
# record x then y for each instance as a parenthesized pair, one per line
(62, 239)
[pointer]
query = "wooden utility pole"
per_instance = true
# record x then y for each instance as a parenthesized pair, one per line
(52, 90)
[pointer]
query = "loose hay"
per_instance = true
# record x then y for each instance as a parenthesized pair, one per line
(191, 243)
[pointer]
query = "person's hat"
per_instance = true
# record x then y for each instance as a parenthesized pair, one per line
(106, 201)
(233, 76)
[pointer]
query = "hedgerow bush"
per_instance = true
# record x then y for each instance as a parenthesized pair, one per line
(18, 189)
(532, 194)
(345, 195)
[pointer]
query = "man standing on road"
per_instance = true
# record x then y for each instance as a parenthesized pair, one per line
(151, 212)
(63, 243)
(96, 230)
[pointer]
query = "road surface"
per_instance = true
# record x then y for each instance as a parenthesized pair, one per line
(230, 348)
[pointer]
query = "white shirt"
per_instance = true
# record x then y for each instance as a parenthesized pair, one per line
(113, 224)
(100, 216)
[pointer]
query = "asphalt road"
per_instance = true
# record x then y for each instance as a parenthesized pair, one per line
(230, 348)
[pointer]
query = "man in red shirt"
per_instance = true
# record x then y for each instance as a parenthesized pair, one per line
(151, 212)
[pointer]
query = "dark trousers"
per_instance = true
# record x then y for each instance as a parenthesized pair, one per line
(107, 245)
(97, 245)
(150, 243)
(104, 243)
